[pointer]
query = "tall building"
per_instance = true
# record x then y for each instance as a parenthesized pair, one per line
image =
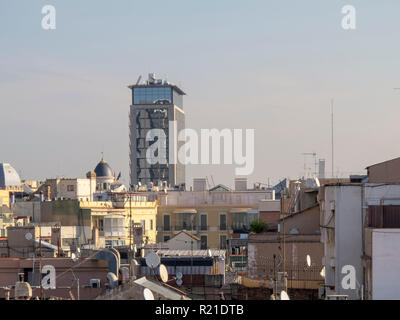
(156, 104)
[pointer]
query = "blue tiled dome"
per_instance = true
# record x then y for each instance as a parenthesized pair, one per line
(103, 169)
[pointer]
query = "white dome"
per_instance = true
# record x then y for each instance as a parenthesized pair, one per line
(9, 177)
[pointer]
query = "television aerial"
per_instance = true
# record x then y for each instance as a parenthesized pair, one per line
(308, 260)
(284, 295)
(147, 294)
(152, 260)
(163, 273)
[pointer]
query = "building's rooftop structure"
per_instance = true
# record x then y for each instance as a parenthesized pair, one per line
(103, 169)
(9, 177)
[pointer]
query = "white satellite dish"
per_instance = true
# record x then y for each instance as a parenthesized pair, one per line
(78, 250)
(148, 295)
(322, 273)
(179, 282)
(28, 236)
(179, 275)
(73, 257)
(284, 295)
(163, 273)
(152, 260)
(308, 260)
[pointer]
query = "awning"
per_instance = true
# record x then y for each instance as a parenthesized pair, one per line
(240, 210)
(189, 210)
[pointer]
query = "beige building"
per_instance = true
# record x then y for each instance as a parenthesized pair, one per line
(80, 189)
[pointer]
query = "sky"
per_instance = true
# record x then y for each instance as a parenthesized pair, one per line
(271, 66)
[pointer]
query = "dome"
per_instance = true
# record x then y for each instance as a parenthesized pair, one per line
(103, 169)
(9, 176)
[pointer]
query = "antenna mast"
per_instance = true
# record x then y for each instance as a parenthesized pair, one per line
(332, 138)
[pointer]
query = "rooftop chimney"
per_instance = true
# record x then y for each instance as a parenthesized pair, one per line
(240, 184)
(199, 184)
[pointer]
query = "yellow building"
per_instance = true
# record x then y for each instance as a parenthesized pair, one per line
(213, 224)
(4, 198)
(115, 221)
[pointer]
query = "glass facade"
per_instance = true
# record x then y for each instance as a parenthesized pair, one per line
(147, 119)
(153, 107)
(152, 95)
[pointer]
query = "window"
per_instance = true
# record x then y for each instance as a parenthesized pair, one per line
(167, 223)
(101, 225)
(222, 221)
(143, 223)
(70, 187)
(152, 95)
(166, 238)
(114, 226)
(222, 242)
(203, 222)
(203, 242)
(151, 224)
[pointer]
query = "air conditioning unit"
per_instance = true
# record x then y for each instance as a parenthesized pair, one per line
(95, 283)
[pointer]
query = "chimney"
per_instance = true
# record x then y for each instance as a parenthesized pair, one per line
(240, 184)
(199, 184)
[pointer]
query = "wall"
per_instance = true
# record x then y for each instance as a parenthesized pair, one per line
(182, 241)
(342, 234)
(385, 172)
(385, 264)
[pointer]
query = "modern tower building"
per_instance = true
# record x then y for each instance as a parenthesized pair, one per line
(156, 104)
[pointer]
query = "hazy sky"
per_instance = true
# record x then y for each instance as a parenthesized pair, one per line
(269, 65)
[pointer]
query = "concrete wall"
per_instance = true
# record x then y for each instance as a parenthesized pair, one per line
(262, 247)
(342, 236)
(385, 172)
(28, 209)
(178, 198)
(385, 264)
(306, 222)
(182, 241)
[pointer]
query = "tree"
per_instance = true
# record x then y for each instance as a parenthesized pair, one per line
(258, 226)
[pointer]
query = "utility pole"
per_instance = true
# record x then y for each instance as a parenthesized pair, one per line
(130, 239)
(40, 261)
(332, 138)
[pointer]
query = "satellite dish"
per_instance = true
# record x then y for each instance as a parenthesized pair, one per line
(78, 250)
(179, 275)
(152, 260)
(28, 236)
(179, 282)
(148, 295)
(73, 257)
(163, 273)
(308, 260)
(209, 253)
(284, 295)
(322, 273)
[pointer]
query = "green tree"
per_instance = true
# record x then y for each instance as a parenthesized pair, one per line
(258, 226)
